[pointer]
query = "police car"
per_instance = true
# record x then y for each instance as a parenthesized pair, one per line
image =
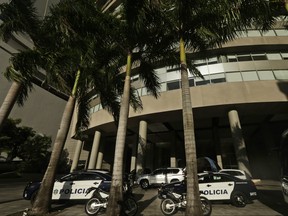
(221, 186)
(72, 186)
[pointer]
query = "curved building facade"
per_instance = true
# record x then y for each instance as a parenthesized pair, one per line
(243, 96)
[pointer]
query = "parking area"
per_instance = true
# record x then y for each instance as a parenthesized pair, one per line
(149, 205)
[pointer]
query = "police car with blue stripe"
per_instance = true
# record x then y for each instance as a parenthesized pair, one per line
(72, 186)
(225, 187)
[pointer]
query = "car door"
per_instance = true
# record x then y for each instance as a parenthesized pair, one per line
(83, 182)
(63, 187)
(216, 187)
(157, 177)
(74, 186)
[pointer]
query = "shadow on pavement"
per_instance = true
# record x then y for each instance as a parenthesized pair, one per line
(274, 200)
(144, 204)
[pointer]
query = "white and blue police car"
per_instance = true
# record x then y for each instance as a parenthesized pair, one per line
(72, 186)
(225, 187)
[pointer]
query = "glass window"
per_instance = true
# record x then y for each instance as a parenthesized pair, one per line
(231, 58)
(217, 78)
(233, 77)
(144, 91)
(242, 33)
(281, 32)
(273, 56)
(284, 55)
(254, 33)
(212, 60)
(163, 87)
(266, 75)
(269, 33)
(158, 172)
(202, 82)
(249, 76)
(191, 82)
(244, 57)
(139, 91)
(199, 62)
(281, 74)
(173, 85)
(258, 57)
(173, 69)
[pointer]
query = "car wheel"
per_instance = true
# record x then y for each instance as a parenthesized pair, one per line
(238, 199)
(33, 197)
(206, 206)
(174, 180)
(144, 184)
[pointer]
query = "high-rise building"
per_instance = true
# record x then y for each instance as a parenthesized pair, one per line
(240, 109)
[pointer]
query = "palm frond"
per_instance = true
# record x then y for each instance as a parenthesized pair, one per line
(19, 16)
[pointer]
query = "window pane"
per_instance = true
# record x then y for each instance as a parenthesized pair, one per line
(254, 33)
(281, 74)
(212, 60)
(269, 33)
(173, 85)
(244, 58)
(258, 57)
(217, 78)
(284, 55)
(249, 75)
(281, 32)
(233, 77)
(144, 91)
(273, 56)
(266, 75)
(191, 82)
(243, 34)
(203, 82)
(199, 62)
(232, 58)
(163, 87)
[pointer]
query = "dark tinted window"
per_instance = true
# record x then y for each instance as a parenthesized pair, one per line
(220, 178)
(204, 179)
(158, 171)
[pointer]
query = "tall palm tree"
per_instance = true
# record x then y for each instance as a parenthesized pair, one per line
(17, 16)
(70, 50)
(138, 40)
(200, 25)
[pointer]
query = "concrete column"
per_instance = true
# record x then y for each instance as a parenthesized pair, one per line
(216, 141)
(142, 142)
(94, 150)
(78, 149)
(133, 158)
(238, 141)
(173, 162)
(100, 157)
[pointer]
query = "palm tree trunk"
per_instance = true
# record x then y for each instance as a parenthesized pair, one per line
(116, 191)
(9, 102)
(193, 199)
(43, 200)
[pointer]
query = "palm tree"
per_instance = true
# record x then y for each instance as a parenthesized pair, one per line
(17, 16)
(138, 40)
(200, 25)
(72, 58)
(76, 43)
